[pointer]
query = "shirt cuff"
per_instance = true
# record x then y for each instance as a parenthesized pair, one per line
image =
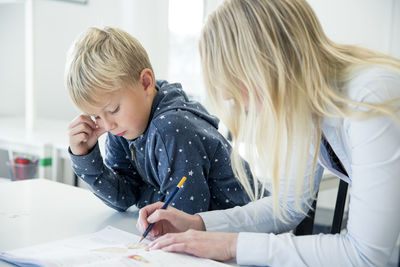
(214, 221)
(252, 249)
(89, 163)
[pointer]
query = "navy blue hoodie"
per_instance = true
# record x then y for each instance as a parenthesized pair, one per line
(181, 139)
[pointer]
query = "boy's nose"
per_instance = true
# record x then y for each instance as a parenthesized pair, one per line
(109, 125)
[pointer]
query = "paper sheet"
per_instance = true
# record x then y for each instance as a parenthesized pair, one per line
(108, 247)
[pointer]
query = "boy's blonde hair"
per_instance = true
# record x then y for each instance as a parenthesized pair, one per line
(102, 61)
(277, 51)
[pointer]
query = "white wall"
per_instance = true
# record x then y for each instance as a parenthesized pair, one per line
(12, 53)
(56, 25)
(147, 21)
(394, 47)
(374, 24)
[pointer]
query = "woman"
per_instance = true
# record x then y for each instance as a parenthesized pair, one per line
(294, 94)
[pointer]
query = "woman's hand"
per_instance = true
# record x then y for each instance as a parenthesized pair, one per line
(83, 134)
(170, 220)
(211, 245)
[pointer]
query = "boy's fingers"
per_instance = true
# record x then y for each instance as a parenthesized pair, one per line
(149, 209)
(88, 120)
(81, 128)
(83, 137)
(99, 131)
(144, 212)
(160, 214)
(82, 118)
(79, 141)
(142, 223)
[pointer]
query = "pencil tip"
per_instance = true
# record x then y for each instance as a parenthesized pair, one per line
(141, 238)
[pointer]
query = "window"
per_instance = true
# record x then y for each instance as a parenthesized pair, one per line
(184, 22)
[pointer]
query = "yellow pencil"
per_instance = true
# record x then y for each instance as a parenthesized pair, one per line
(169, 199)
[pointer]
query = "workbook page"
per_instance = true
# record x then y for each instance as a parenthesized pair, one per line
(108, 247)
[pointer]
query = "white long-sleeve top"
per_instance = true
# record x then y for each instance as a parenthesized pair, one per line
(370, 152)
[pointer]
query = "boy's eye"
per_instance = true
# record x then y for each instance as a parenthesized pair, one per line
(96, 117)
(115, 110)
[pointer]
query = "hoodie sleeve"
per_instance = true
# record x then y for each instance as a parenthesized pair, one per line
(178, 151)
(116, 182)
(226, 190)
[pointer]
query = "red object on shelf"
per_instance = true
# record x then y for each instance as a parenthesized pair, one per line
(23, 161)
(23, 168)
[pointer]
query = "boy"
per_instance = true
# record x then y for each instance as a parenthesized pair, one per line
(155, 136)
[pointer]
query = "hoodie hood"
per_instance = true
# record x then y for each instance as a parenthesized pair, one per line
(171, 96)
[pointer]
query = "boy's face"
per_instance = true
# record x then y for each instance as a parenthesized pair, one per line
(124, 112)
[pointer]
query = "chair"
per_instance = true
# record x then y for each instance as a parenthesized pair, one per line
(306, 226)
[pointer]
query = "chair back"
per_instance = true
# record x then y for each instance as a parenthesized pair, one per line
(307, 224)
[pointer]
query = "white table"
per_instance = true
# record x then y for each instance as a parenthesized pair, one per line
(39, 210)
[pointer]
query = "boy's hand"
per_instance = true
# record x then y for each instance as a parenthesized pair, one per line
(170, 220)
(83, 134)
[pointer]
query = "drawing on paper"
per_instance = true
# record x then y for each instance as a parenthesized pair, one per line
(136, 246)
(138, 258)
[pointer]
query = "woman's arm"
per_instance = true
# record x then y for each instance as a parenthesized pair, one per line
(258, 216)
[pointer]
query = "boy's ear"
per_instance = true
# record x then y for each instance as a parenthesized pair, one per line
(147, 80)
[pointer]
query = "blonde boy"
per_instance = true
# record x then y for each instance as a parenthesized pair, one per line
(155, 135)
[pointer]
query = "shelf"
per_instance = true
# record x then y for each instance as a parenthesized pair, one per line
(49, 139)
(46, 131)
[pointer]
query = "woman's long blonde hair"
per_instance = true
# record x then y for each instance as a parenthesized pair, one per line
(275, 54)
